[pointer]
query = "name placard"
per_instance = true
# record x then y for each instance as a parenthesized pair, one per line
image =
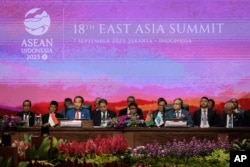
(76, 123)
(175, 123)
(70, 124)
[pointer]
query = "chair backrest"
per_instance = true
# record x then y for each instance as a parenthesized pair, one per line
(170, 107)
(87, 106)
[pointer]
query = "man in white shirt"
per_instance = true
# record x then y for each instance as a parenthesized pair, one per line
(53, 107)
(159, 114)
(101, 116)
(237, 107)
(78, 112)
(26, 115)
(231, 119)
(179, 113)
(205, 117)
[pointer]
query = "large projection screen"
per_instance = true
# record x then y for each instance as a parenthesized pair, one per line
(54, 49)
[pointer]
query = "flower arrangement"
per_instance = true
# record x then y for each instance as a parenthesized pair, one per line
(112, 145)
(126, 121)
(21, 148)
(114, 151)
(181, 152)
(10, 121)
(194, 147)
(98, 151)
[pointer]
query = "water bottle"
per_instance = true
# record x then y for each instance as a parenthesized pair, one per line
(38, 120)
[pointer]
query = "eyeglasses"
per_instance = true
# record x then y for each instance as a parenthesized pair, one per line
(132, 108)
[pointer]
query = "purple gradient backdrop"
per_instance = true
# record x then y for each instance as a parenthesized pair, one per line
(213, 64)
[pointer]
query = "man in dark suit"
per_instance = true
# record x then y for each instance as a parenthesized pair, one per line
(26, 115)
(101, 116)
(53, 107)
(67, 102)
(78, 112)
(126, 111)
(211, 104)
(96, 105)
(179, 113)
(237, 107)
(205, 117)
(159, 115)
(231, 119)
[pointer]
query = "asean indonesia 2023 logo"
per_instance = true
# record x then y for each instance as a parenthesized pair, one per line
(37, 21)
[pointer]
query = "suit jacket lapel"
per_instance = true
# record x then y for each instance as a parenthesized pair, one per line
(173, 114)
(108, 114)
(209, 117)
(98, 116)
(199, 117)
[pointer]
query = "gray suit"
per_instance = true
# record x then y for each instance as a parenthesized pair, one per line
(184, 116)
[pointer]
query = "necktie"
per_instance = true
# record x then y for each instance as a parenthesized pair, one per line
(230, 122)
(158, 120)
(103, 123)
(178, 115)
(204, 118)
(26, 118)
(78, 114)
(103, 116)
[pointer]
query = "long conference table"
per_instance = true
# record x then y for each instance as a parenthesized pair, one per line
(137, 136)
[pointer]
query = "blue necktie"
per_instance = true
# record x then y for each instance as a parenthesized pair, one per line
(158, 120)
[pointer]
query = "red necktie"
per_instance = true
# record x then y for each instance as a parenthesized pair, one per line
(77, 114)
